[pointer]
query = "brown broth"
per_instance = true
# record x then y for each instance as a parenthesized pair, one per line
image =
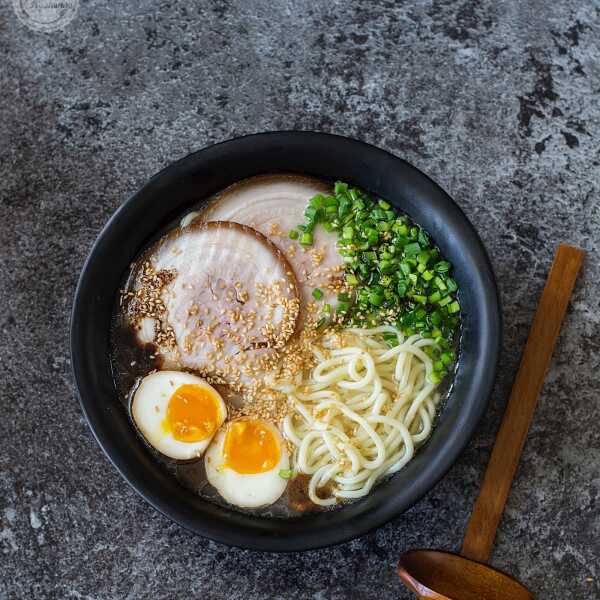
(131, 361)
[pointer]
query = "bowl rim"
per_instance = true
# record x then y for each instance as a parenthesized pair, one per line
(369, 520)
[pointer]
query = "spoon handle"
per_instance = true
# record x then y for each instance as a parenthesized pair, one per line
(510, 440)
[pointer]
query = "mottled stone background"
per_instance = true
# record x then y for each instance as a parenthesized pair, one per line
(497, 101)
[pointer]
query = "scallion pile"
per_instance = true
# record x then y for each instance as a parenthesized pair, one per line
(396, 274)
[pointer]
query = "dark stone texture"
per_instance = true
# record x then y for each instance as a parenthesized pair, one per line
(497, 101)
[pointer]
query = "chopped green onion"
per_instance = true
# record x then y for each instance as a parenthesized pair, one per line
(436, 318)
(376, 299)
(286, 473)
(391, 339)
(400, 228)
(385, 266)
(439, 283)
(311, 212)
(351, 279)
(412, 249)
(447, 357)
(317, 201)
(454, 307)
(390, 263)
(343, 306)
(423, 257)
(306, 238)
(435, 378)
(423, 238)
(348, 232)
(405, 268)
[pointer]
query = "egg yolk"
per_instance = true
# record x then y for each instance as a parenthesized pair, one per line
(193, 413)
(250, 447)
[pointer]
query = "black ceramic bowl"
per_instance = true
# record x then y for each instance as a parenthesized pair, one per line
(168, 195)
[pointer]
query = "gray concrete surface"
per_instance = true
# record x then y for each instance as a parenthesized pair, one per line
(496, 100)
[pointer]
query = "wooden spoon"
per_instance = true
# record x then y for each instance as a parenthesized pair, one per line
(436, 575)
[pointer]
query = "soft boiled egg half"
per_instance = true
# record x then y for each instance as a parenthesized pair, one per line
(177, 413)
(247, 463)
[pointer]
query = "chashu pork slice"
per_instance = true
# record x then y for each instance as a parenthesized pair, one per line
(218, 298)
(274, 205)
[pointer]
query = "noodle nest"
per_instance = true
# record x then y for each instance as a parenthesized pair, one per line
(359, 414)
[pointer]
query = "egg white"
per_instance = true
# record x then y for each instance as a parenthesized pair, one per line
(242, 489)
(149, 409)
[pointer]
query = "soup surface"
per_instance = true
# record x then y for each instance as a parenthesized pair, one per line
(288, 345)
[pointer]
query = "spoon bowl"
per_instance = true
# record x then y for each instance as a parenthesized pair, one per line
(435, 575)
